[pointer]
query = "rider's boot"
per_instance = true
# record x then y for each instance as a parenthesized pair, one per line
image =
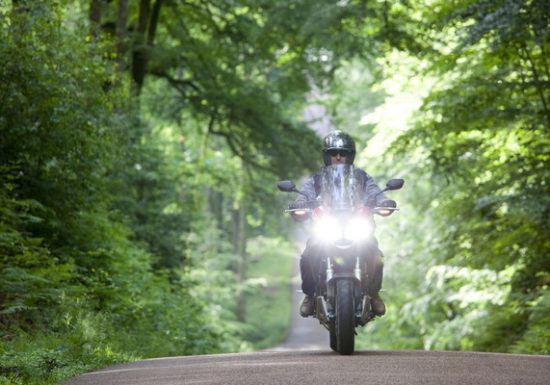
(377, 305)
(307, 306)
(375, 284)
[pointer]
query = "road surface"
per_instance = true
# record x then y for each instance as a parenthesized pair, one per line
(323, 367)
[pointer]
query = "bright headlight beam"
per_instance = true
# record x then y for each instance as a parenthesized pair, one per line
(328, 229)
(357, 229)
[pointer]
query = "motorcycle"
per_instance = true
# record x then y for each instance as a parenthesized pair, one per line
(343, 225)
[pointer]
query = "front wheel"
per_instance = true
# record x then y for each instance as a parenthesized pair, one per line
(345, 317)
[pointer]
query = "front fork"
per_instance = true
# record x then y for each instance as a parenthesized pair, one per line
(325, 304)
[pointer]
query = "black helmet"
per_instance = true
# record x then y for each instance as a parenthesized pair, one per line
(338, 140)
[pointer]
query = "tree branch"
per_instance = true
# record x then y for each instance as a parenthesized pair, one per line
(230, 139)
(179, 84)
(535, 73)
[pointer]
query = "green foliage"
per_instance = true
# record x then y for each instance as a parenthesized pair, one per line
(537, 337)
(269, 295)
(490, 136)
(64, 121)
(483, 130)
(30, 277)
(222, 62)
(79, 288)
(467, 266)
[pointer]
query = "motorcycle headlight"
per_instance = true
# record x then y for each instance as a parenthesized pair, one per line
(358, 229)
(328, 229)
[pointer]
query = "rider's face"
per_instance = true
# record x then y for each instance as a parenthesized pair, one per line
(337, 157)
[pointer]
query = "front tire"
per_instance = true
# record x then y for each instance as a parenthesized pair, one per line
(333, 339)
(345, 317)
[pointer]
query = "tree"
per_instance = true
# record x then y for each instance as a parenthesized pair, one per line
(485, 129)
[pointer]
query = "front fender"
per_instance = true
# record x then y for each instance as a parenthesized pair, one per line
(332, 283)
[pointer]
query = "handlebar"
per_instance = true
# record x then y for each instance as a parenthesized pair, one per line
(382, 211)
(305, 209)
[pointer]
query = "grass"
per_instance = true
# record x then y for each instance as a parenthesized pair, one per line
(48, 359)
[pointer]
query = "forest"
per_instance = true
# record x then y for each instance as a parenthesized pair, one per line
(141, 142)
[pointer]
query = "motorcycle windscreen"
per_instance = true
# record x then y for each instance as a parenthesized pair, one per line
(339, 188)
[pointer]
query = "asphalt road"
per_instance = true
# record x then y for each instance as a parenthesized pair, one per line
(323, 367)
(305, 359)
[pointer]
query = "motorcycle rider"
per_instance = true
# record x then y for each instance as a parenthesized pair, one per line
(339, 148)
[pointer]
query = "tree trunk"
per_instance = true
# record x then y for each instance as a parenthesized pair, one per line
(95, 16)
(153, 23)
(145, 36)
(215, 201)
(139, 52)
(239, 248)
(120, 31)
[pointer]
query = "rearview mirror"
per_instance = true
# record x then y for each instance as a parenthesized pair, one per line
(286, 185)
(395, 184)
